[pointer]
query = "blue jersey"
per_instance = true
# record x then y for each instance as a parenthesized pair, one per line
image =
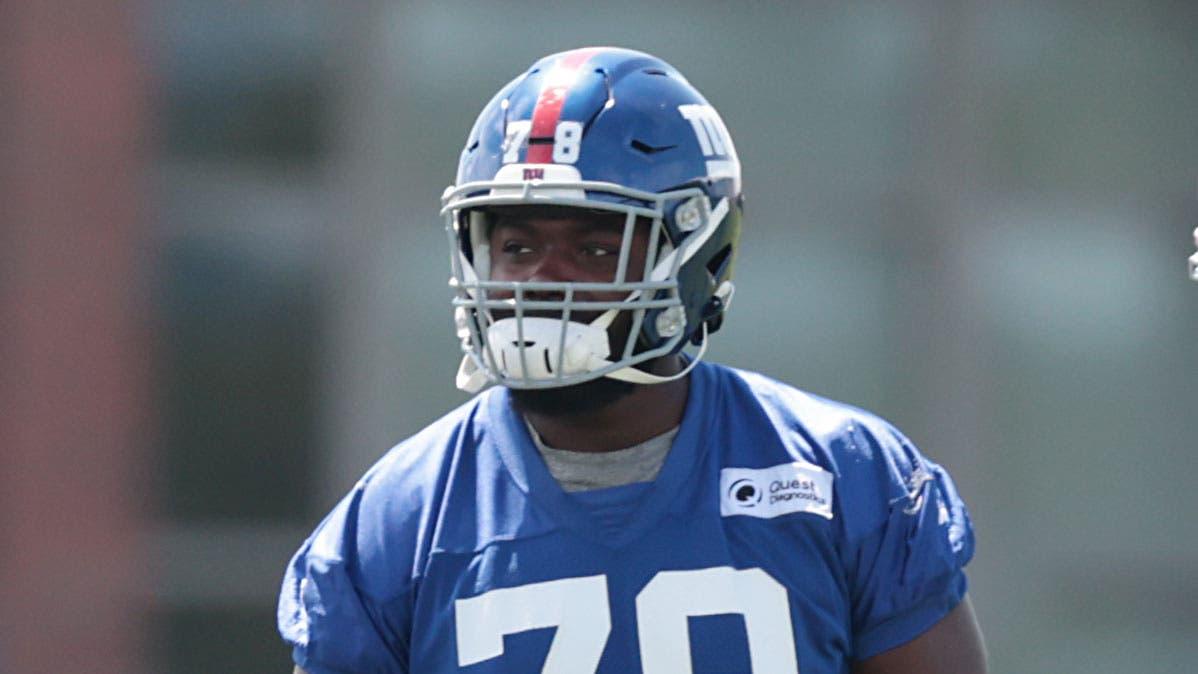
(784, 533)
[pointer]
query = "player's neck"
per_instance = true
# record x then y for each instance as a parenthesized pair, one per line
(648, 411)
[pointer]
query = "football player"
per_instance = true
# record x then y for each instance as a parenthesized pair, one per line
(614, 504)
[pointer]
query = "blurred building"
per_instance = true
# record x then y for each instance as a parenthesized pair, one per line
(75, 330)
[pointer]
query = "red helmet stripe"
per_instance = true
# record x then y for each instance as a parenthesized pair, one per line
(548, 111)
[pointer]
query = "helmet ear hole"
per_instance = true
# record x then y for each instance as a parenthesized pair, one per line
(718, 264)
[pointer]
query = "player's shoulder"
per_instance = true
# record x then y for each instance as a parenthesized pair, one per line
(856, 445)
(873, 464)
(384, 527)
(420, 459)
(839, 428)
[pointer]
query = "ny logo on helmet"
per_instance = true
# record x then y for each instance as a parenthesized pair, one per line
(714, 140)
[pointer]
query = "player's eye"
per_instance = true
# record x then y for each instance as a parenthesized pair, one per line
(516, 248)
(600, 250)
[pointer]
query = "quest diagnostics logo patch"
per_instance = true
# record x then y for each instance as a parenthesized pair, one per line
(745, 493)
(777, 490)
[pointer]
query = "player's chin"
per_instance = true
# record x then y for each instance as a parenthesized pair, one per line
(585, 398)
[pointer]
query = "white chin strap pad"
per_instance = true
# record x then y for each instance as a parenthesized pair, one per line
(585, 345)
(584, 348)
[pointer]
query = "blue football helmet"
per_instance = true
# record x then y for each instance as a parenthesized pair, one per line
(609, 130)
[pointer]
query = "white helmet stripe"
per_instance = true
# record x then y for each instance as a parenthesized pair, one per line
(693, 243)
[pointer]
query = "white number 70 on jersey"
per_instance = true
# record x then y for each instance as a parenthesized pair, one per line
(579, 608)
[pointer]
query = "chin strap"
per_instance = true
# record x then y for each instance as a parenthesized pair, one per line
(631, 374)
(533, 343)
(471, 378)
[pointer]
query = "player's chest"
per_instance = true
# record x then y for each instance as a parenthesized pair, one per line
(699, 594)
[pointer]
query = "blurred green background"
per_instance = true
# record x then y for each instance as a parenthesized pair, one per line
(969, 217)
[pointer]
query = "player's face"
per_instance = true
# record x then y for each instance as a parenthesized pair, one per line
(566, 245)
(575, 246)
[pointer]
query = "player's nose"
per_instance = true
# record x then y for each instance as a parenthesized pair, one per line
(555, 264)
(552, 267)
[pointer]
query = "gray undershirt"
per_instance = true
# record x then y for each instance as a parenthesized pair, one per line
(584, 471)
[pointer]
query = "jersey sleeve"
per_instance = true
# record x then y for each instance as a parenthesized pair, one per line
(331, 623)
(910, 538)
